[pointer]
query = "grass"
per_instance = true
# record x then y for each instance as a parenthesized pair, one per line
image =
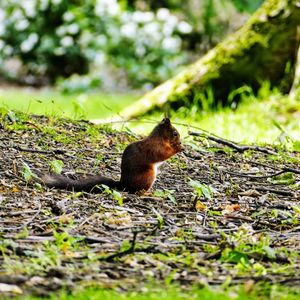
(255, 120)
(174, 293)
(261, 118)
(266, 118)
(269, 118)
(51, 102)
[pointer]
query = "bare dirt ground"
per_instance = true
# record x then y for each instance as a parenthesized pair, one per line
(241, 225)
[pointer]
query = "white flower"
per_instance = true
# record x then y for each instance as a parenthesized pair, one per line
(151, 28)
(59, 51)
(114, 34)
(22, 24)
(171, 43)
(142, 17)
(107, 7)
(100, 59)
(184, 27)
(168, 29)
(8, 50)
(126, 16)
(140, 51)
(73, 28)
(113, 9)
(16, 15)
(29, 43)
(162, 14)
(67, 41)
(148, 16)
(129, 30)
(68, 16)
(29, 8)
(55, 2)
(44, 4)
(101, 40)
(2, 15)
(172, 21)
(138, 17)
(85, 38)
(61, 30)
(99, 9)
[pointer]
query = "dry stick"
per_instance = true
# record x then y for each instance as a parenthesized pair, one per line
(247, 219)
(37, 212)
(239, 148)
(255, 176)
(16, 213)
(56, 218)
(125, 252)
(276, 191)
(55, 151)
(286, 169)
(38, 238)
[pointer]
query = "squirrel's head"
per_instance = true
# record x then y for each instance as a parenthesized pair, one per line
(169, 133)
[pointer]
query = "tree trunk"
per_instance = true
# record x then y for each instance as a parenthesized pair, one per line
(263, 49)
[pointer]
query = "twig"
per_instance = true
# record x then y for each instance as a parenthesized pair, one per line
(276, 191)
(286, 169)
(255, 176)
(53, 219)
(246, 219)
(27, 222)
(239, 148)
(125, 252)
(54, 151)
(121, 208)
(17, 213)
(292, 170)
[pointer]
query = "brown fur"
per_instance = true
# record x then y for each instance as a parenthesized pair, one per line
(138, 163)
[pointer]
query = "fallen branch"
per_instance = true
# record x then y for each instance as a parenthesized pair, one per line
(255, 176)
(276, 191)
(237, 147)
(54, 151)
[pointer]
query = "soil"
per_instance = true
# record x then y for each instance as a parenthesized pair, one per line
(52, 239)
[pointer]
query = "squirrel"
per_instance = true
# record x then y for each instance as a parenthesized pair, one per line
(140, 161)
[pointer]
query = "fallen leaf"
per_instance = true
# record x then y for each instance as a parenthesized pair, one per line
(250, 193)
(248, 286)
(15, 189)
(231, 208)
(200, 206)
(10, 288)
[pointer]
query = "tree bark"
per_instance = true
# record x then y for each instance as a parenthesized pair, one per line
(263, 49)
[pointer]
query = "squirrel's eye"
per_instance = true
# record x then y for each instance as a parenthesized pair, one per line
(175, 133)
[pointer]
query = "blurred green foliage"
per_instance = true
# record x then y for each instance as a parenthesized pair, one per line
(132, 43)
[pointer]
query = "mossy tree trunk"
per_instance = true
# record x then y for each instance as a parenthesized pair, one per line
(263, 49)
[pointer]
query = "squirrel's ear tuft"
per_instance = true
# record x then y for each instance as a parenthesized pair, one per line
(166, 121)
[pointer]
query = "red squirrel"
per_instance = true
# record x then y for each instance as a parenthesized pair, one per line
(140, 161)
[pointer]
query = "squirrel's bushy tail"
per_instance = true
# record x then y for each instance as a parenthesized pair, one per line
(88, 184)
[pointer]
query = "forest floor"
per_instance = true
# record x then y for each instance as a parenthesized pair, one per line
(216, 216)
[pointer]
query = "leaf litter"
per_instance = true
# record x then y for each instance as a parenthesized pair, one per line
(213, 216)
